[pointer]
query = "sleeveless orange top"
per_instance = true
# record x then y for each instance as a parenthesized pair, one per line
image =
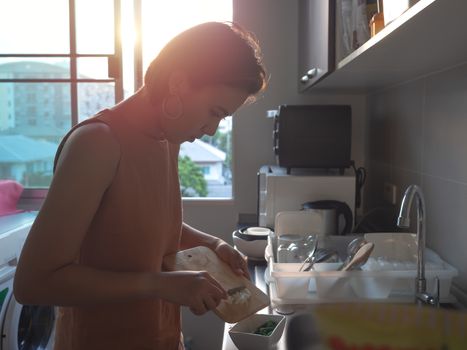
(137, 223)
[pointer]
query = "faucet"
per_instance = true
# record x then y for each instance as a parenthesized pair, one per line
(411, 193)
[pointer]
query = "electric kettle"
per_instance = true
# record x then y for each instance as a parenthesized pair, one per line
(331, 211)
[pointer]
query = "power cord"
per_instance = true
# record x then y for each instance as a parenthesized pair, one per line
(360, 178)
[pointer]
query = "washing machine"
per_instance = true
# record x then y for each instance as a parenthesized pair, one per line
(23, 327)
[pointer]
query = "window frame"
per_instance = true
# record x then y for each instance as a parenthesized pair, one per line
(114, 62)
(32, 198)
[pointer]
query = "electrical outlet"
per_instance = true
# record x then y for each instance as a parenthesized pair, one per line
(390, 193)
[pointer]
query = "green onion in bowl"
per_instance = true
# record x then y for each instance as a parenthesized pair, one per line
(266, 329)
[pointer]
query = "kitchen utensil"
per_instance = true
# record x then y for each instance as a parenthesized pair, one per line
(295, 248)
(353, 247)
(331, 211)
(360, 257)
(251, 241)
(314, 246)
(289, 247)
(321, 255)
(204, 259)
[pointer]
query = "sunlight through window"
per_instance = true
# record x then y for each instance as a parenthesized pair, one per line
(162, 20)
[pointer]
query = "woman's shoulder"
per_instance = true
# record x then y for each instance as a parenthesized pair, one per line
(91, 142)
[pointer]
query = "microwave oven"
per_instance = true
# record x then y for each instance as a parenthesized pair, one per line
(313, 136)
(279, 190)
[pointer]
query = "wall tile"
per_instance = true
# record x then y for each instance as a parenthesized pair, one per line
(446, 224)
(445, 137)
(379, 129)
(377, 174)
(406, 117)
(418, 135)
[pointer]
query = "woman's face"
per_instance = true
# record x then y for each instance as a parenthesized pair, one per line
(203, 109)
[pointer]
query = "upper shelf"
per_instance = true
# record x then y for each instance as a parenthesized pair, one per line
(428, 37)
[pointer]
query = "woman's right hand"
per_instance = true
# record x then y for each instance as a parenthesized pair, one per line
(197, 290)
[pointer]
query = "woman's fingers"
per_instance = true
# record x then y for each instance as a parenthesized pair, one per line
(233, 258)
(198, 310)
(210, 303)
(240, 266)
(218, 289)
(205, 304)
(209, 294)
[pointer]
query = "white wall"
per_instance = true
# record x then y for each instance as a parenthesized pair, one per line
(275, 24)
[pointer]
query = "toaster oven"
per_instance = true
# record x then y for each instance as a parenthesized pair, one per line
(313, 136)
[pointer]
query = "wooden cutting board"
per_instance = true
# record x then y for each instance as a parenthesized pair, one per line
(204, 259)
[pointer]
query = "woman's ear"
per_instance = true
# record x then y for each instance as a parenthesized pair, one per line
(178, 83)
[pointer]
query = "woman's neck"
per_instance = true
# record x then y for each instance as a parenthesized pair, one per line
(141, 114)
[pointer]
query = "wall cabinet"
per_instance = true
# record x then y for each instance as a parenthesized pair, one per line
(428, 37)
(316, 41)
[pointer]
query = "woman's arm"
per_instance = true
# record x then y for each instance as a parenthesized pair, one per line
(47, 271)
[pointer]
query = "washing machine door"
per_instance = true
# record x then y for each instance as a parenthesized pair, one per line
(28, 327)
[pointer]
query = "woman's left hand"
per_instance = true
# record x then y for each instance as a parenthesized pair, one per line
(233, 258)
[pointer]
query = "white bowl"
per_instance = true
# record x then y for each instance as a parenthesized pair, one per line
(242, 334)
(252, 248)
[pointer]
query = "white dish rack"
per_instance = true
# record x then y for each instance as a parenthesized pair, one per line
(288, 286)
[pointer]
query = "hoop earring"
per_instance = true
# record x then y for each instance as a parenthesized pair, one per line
(169, 115)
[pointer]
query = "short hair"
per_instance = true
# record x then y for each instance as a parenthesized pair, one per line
(209, 53)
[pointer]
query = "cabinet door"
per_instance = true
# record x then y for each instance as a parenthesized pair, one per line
(316, 41)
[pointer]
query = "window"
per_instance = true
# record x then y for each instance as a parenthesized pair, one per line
(57, 75)
(43, 82)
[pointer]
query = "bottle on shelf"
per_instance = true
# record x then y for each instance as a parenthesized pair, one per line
(377, 21)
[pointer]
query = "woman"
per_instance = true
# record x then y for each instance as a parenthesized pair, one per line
(113, 210)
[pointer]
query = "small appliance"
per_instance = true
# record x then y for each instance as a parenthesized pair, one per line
(21, 326)
(279, 191)
(313, 136)
(331, 212)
